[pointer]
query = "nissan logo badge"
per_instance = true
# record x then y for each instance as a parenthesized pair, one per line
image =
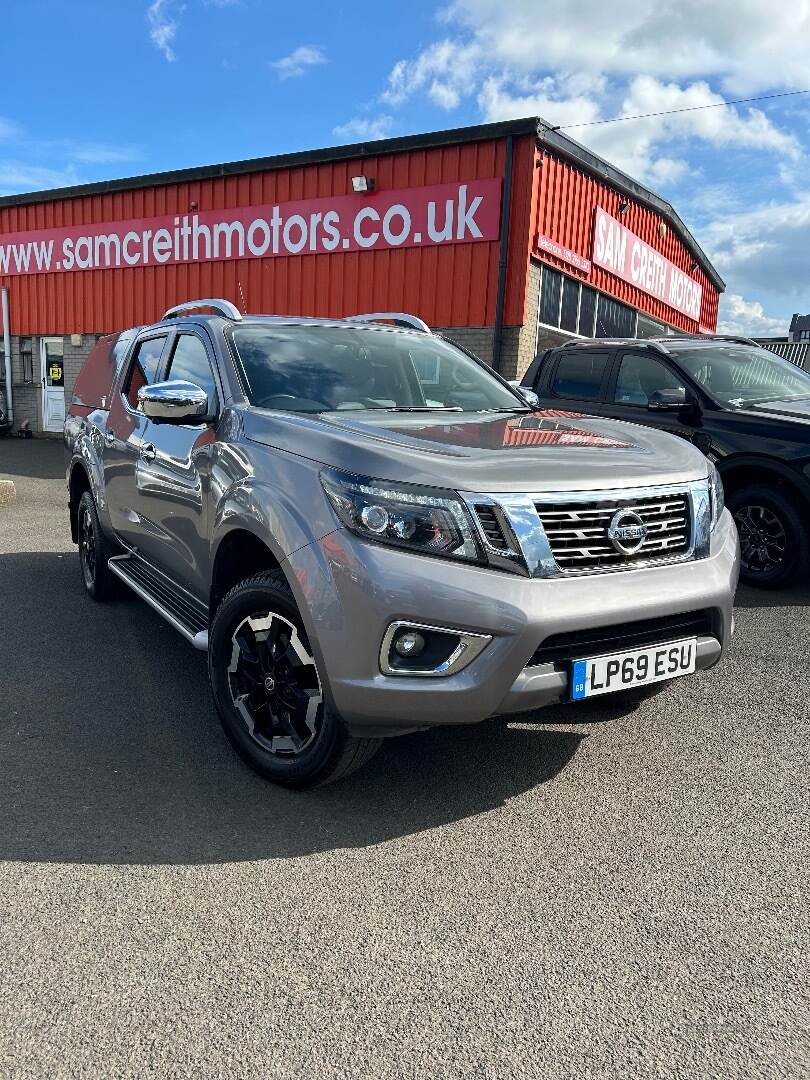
(627, 532)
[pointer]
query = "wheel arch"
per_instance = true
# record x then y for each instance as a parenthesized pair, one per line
(744, 469)
(240, 553)
(78, 483)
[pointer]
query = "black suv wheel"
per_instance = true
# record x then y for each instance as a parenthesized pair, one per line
(773, 539)
(269, 693)
(94, 553)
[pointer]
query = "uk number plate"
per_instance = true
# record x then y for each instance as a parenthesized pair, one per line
(619, 671)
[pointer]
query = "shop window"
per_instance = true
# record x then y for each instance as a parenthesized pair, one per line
(570, 305)
(144, 368)
(650, 328)
(640, 376)
(580, 374)
(614, 319)
(550, 290)
(587, 311)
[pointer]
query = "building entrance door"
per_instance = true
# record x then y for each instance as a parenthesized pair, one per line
(52, 356)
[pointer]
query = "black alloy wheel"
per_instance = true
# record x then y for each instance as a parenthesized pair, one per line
(773, 537)
(274, 684)
(95, 552)
(269, 693)
(763, 539)
(87, 545)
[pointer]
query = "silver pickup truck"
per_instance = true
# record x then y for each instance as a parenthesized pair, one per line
(371, 533)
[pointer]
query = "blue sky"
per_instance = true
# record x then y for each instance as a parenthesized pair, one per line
(96, 90)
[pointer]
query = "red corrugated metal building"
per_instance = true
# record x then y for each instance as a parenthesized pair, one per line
(506, 236)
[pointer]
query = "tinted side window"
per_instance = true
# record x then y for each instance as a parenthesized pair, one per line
(190, 363)
(580, 375)
(144, 368)
(639, 377)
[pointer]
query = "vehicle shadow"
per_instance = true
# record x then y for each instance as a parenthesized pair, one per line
(797, 595)
(37, 459)
(111, 752)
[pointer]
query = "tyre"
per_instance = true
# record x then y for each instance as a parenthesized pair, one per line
(95, 552)
(268, 691)
(773, 538)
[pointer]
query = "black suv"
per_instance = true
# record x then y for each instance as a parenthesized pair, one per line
(744, 407)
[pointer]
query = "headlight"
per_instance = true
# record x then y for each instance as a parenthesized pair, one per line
(427, 520)
(716, 491)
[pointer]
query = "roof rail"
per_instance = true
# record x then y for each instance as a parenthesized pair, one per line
(398, 318)
(650, 343)
(222, 307)
(734, 338)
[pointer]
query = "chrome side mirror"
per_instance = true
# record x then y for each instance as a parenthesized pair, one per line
(174, 402)
(528, 395)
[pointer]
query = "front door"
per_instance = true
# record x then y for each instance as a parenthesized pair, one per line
(125, 441)
(52, 358)
(638, 376)
(173, 478)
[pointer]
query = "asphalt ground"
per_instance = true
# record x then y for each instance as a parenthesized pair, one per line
(621, 897)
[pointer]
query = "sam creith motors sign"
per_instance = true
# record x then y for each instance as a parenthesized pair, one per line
(621, 252)
(411, 217)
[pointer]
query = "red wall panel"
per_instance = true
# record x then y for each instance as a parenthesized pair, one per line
(565, 199)
(454, 285)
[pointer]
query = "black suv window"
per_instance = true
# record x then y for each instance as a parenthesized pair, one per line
(190, 363)
(580, 374)
(144, 367)
(640, 376)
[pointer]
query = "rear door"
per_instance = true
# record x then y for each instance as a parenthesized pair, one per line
(576, 380)
(635, 378)
(173, 472)
(124, 437)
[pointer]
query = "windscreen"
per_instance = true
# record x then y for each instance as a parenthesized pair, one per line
(740, 375)
(327, 368)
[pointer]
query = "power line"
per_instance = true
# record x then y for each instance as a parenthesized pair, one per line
(671, 112)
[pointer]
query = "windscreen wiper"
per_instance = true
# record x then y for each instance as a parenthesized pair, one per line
(425, 408)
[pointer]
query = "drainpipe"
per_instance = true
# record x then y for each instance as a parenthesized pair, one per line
(7, 354)
(503, 263)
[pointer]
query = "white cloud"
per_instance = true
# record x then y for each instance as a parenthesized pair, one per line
(446, 71)
(635, 146)
(764, 251)
(296, 64)
(103, 153)
(18, 176)
(749, 45)
(747, 317)
(162, 27)
(8, 129)
(365, 128)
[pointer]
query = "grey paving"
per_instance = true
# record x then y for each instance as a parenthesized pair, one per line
(620, 897)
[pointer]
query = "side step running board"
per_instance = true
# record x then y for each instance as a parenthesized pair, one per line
(177, 607)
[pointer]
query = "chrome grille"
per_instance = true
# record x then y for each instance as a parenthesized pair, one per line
(577, 532)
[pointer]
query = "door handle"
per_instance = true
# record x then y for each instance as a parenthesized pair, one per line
(148, 452)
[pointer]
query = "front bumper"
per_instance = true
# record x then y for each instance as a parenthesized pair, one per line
(349, 591)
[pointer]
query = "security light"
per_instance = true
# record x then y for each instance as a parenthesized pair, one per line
(623, 207)
(362, 184)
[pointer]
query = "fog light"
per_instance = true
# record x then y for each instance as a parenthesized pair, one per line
(409, 644)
